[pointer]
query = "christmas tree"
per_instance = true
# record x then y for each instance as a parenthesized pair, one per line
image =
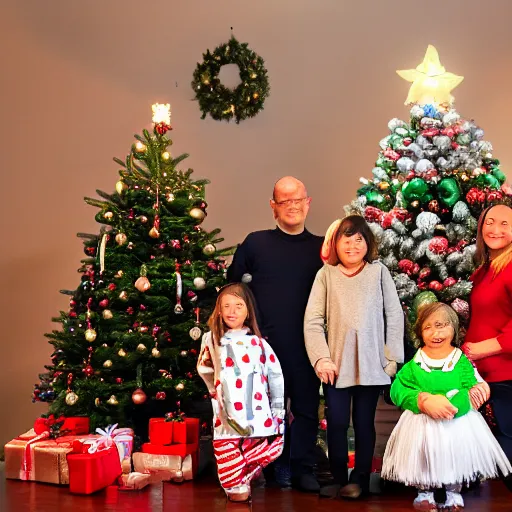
(128, 345)
(433, 177)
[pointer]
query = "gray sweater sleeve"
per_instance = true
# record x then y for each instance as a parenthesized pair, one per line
(314, 319)
(394, 319)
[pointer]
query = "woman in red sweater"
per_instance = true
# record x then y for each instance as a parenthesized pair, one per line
(488, 341)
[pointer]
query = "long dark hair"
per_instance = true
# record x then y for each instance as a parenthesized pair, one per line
(215, 322)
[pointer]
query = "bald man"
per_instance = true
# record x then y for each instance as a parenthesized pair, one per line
(280, 266)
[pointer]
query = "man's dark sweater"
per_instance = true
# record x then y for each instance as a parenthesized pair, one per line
(283, 268)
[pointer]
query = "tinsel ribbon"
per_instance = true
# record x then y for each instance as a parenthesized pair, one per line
(103, 245)
(178, 309)
(108, 436)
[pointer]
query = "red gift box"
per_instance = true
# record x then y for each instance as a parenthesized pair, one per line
(91, 472)
(72, 426)
(160, 431)
(175, 449)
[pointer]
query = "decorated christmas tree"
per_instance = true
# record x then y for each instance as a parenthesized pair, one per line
(128, 345)
(433, 177)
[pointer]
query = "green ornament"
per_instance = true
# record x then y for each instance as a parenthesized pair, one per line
(395, 141)
(384, 163)
(414, 190)
(500, 176)
(488, 180)
(422, 299)
(463, 139)
(448, 191)
(374, 197)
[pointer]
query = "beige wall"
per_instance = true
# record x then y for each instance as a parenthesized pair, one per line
(77, 80)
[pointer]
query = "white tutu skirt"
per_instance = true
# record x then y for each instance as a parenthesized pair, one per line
(427, 453)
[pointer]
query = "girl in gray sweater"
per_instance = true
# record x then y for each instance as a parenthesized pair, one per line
(353, 330)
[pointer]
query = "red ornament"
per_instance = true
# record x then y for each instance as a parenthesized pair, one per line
(438, 245)
(391, 154)
(103, 303)
(88, 370)
(162, 127)
(130, 310)
(449, 132)
(160, 395)
(431, 132)
(475, 195)
(193, 351)
(373, 214)
(72, 314)
(323, 424)
(175, 244)
(494, 195)
(422, 285)
(131, 215)
(450, 281)
(407, 141)
(436, 286)
(119, 380)
(138, 396)
(212, 265)
(142, 307)
(111, 287)
(90, 251)
(455, 145)
(406, 266)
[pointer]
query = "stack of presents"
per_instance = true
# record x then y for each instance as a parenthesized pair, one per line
(61, 451)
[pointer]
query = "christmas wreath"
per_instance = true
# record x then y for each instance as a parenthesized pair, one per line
(222, 103)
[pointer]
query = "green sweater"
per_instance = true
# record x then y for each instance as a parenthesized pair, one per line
(415, 378)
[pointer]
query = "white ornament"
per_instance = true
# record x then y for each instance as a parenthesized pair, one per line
(199, 283)
(246, 278)
(195, 333)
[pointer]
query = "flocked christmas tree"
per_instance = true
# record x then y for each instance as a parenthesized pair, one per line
(433, 177)
(128, 345)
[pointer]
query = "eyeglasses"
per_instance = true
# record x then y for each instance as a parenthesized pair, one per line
(438, 326)
(291, 202)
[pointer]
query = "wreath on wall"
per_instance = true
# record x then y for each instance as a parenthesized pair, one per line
(222, 103)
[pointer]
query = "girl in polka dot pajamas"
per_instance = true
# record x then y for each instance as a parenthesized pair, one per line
(245, 381)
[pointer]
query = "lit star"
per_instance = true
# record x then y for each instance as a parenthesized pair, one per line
(431, 83)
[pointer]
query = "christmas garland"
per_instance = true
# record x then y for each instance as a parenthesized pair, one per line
(222, 103)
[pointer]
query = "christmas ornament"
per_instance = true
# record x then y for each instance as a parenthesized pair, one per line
(142, 284)
(161, 117)
(107, 314)
(97, 402)
(224, 103)
(138, 396)
(475, 196)
(140, 147)
(461, 307)
(199, 283)
(178, 308)
(121, 238)
(143, 219)
(180, 386)
(414, 190)
(209, 249)
(431, 83)
(119, 380)
(246, 278)
(433, 206)
(183, 353)
(438, 245)
(169, 197)
(141, 348)
(166, 155)
(160, 395)
(107, 363)
(154, 233)
(435, 285)
(108, 215)
(448, 191)
(112, 400)
(121, 187)
(71, 398)
(422, 299)
(118, 275)
(123, 295)
(88, 370)
(450, 281)
(195, 333)
(121, 353)
(197, 214)
(103, 303)
(155, 352)
(90, 335)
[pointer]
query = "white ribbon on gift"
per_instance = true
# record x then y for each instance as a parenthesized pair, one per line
(109, 436)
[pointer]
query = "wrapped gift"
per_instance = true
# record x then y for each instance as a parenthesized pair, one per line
(185, 432)
(72, 426)
(134, 481)
(181, 450)
(121, 437)
(160, 431)
(39, 458)
(164, 467)
(95, 469)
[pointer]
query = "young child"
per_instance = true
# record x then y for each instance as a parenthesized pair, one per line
(246, 386)
(440, 439)
(358, 351)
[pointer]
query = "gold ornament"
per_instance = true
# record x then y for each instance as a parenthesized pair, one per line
(119, 274)
(180, 386)
(209, 249)
(415, 204)
(143, 219)
(197, 214)
(141, 348)
(123, 295)
(71, 398)
(121, 238)
(154, 233)
(112, 400)
(255, 95)
(121, 187)
(108, 215)
(166, 155)
(139, 147)
(253, 75)
(142, 284)
(107, 363)
(97, 402)
(169, 197)
(138, 396)
(431, 83)
(155, 352)
(121, 353)
(90, 335)
(107, 314)
(464, 177)
(383, 185)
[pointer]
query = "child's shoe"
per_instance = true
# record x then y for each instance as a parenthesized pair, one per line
(239, 493)
(425, 501)
(453, 503)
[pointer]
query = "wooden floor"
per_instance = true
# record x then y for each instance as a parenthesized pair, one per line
(204, 495)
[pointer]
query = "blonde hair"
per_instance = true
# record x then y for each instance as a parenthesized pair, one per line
(429, 309)
(482, 256)
(215, 322)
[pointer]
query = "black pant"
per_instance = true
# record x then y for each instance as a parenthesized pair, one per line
(364, 404)
(501, 402)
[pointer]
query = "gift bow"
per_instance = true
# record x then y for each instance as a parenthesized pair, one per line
(42, 425)
(108, 436)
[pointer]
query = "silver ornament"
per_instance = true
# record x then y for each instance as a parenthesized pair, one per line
(199, 283)
(195, 333)
(246, 278)
(209, 249)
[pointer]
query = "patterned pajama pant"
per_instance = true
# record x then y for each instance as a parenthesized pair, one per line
(240, 460)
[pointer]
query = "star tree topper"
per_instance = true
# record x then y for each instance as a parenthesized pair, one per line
(431, 83)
